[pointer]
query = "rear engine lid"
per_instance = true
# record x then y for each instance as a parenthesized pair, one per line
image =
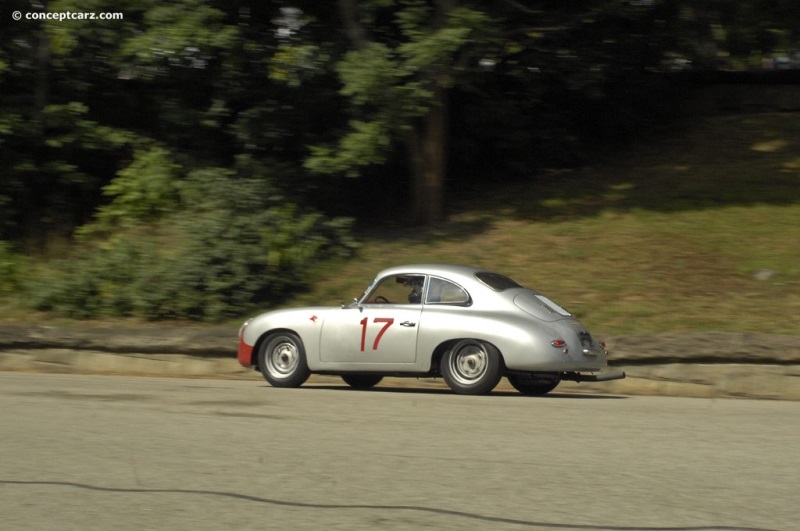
(540, 306)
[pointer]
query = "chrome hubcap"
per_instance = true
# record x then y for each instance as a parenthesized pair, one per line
(283, 359)
(469, 363)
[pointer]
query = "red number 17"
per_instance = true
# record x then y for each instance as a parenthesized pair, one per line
(388, 322)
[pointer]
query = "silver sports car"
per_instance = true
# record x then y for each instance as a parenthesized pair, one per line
(465, 324)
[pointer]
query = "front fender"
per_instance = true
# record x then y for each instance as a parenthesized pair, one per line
(305, 322)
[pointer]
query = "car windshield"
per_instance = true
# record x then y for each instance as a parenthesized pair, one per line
(369, 288)
(496, 281)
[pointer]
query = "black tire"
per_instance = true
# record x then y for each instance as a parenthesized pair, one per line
(532, 385)
(362, 380)
(282, 360)
(472, 367)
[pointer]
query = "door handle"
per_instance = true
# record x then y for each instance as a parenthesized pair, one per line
(408, 324)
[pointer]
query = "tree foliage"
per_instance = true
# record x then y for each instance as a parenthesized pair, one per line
(202, 146)
(396, 76)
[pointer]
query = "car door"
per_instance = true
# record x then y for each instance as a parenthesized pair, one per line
(381, 330)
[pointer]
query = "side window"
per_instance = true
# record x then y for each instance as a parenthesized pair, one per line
(398, 289)
(441, 291)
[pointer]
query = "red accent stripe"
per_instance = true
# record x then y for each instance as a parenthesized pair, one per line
(245, 354)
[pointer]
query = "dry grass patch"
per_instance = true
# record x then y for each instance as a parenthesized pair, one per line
(695, 232)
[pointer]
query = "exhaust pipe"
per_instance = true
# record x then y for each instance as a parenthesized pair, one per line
(603, 377)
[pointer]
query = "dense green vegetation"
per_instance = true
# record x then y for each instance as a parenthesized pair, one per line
(198, 159)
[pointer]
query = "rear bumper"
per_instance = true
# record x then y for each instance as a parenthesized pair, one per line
(602, 377)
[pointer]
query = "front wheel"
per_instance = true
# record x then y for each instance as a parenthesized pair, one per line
(472, 367)
(362, 381)
(282, 360)
(532, 385)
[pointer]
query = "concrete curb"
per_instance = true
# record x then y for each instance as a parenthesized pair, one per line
(695, 365)
(195, 341)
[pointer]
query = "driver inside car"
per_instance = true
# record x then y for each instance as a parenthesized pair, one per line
(415, 297)
(394, 290)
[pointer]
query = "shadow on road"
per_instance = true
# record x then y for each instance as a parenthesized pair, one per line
(445, 391)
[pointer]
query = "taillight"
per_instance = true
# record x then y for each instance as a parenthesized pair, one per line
(558, 343)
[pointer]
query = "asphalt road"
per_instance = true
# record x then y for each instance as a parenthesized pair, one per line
(118, 453)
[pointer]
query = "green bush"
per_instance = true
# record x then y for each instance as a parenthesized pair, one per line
(9, 269)
(232, 246)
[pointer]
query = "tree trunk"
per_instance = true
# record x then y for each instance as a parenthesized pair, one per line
(428, 138)
(429, 161)
(41, 89)
(354, 30)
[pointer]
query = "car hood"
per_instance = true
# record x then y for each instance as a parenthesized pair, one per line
(296, 314)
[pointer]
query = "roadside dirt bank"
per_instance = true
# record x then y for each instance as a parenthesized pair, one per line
(695, 365)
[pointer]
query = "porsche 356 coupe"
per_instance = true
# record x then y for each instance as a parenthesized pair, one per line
(470, 326)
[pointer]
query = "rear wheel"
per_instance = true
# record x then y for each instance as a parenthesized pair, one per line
(472, 367)
(362, 381)
(532, 385)
(282, 360)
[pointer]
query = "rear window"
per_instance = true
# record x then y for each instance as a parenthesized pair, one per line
(496, 281)
(441, 291)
